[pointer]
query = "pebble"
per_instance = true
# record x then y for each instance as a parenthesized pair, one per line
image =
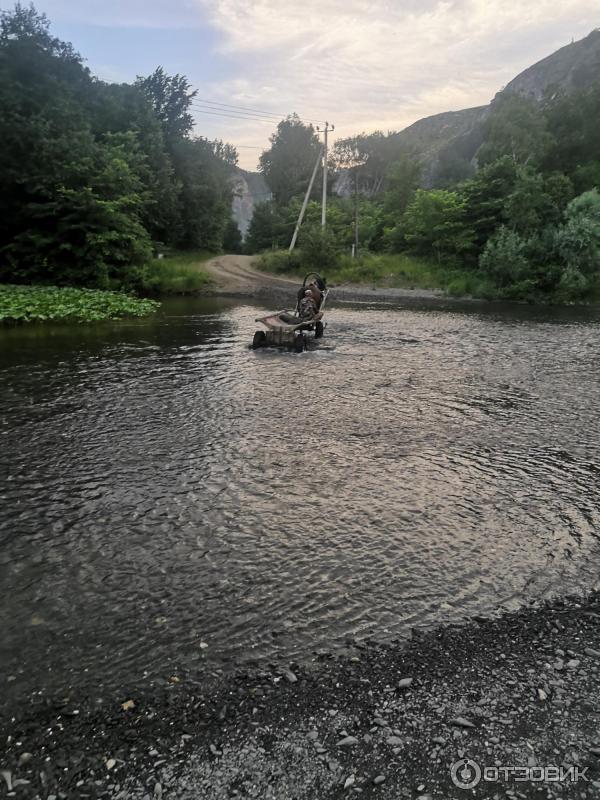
(405, 683)
(589, 651)
(347, 741)
(595, 751)
(542, 694)
(350, 780)
(573, 663)
(289, 676)
(25, 758)
(439, 740)
(110, 763)
(379, 779)
(461, 722)
(393, 741)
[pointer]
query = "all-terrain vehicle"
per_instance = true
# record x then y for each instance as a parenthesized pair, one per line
(289, 329)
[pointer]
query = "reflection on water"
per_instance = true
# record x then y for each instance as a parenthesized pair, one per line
(164, 488)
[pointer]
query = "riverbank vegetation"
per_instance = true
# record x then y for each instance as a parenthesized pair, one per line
(520, 221)
(384, 270)
(176, 274)
(98, 177)
(41, 303)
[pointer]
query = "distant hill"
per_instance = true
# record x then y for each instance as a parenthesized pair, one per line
(450, 141)
(572, 67)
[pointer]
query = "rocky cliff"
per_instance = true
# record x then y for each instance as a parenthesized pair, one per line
(249, 188)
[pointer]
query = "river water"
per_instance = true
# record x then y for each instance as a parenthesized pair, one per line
(173, 502)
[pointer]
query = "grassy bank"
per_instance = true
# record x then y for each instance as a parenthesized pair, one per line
(387, 271)
(179, 273)
(39, 303)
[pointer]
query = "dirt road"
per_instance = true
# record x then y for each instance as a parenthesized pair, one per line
(235, 275)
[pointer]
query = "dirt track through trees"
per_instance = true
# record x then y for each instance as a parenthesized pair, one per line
(232, 273)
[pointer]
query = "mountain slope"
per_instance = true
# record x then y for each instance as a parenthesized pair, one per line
(448, 142)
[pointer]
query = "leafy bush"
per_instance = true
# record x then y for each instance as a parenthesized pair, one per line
(435, 222)
(282, 262)
(578, 240)
(318, 248)
(504, 259)
(38, 303)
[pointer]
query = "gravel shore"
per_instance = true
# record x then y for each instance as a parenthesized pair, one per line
(521, 690)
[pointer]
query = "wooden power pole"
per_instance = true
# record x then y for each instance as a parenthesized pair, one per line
(326, 130)
(305, 203)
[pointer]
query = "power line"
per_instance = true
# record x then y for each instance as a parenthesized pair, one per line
(234, 115)
(252, 110)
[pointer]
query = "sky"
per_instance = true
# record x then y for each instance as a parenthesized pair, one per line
(363, 66)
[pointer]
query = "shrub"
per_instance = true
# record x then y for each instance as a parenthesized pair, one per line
(504, 259)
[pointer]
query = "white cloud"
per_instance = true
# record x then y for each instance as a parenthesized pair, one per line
(382, 64)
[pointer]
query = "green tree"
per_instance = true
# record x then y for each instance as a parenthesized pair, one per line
(536, 200)
(232, 238)
(268, 229)
(485, 196)
(434, 223)
(504, 258)
(171, 98)
(402, 181)
(517, 128)
(573, 120)
(288, 163)
(579, 238)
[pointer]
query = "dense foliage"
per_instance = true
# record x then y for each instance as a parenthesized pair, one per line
(521, 220)
(38, 303)
(93, 175)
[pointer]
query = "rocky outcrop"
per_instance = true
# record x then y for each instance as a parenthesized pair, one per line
(249, 189)
(572, 67)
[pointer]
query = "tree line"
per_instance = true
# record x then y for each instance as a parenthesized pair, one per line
(524, 214)
(95, 176)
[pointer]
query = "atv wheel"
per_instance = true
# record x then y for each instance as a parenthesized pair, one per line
(319, 329)
(259, 340)
(299, 343)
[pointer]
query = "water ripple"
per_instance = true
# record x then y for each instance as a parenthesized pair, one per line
(165, 487)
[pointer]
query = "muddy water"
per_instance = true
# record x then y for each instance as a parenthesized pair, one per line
(172, 501)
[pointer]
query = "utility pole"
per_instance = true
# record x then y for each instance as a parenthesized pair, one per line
(355, 253)
(305, 203)
(326, 130)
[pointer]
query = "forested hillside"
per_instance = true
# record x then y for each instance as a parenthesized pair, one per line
(514, 214)
(94, 176)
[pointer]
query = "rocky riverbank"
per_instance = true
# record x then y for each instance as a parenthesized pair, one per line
(522, 690)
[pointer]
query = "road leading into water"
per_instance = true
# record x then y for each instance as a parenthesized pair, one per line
(235, 274)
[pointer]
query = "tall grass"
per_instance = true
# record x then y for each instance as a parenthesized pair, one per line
(180, 273)
(389, 271)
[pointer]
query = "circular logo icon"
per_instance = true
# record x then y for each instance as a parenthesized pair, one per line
(465, 773)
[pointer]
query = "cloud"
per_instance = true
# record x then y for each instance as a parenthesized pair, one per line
(368, 64)
(361, 64)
